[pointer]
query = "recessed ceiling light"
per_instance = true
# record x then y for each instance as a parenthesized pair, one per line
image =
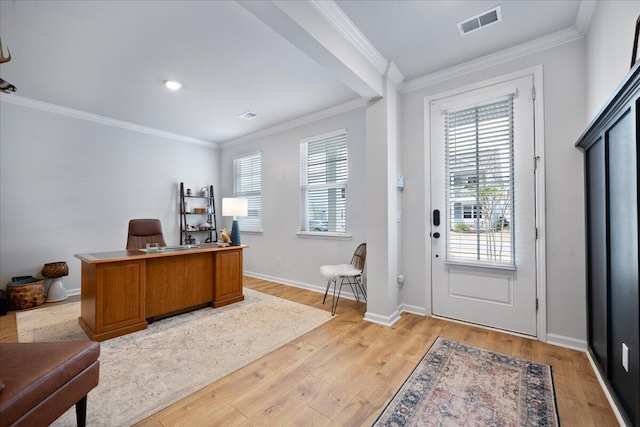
(249, 115)
(172, 84)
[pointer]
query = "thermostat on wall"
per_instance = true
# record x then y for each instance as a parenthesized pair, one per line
(400, 182)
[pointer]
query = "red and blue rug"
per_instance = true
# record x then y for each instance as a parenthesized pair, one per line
(457, 384)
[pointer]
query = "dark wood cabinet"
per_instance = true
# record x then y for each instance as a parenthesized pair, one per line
(611, 145)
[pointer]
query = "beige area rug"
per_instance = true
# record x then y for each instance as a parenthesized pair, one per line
(146, 371)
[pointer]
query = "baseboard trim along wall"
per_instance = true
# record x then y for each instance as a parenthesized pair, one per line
(382, 320)
(605, 389)
(320, 289)
(413, 309)
(567, 342)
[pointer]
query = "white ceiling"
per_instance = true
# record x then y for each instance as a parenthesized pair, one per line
(111, 57)
(421, 37)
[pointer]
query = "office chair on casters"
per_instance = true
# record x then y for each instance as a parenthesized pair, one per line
(351, 273)
(143, 231)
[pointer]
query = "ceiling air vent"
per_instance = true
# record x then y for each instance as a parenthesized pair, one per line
(249, 115)
(481, 20)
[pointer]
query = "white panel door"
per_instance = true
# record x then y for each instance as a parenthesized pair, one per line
(483, 187)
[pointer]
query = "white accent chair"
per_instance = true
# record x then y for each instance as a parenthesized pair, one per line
(350, 274)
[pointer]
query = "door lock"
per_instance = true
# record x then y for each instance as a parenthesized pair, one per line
(436, 235)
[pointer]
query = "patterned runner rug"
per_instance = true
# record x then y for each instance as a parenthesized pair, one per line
(461, 385)
(145, 371)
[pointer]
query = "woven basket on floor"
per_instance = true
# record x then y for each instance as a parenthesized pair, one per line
(25, 296)
(53, 270)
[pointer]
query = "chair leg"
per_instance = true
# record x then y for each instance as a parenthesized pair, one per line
(81, 412)
(364, 292)
(327, 290)
(354, 290)
(334, 302)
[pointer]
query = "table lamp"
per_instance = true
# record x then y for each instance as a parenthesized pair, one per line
(235, 208)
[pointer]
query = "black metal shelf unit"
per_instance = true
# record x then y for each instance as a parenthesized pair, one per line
(209, 213)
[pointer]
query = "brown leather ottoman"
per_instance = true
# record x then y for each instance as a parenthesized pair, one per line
(43, 380)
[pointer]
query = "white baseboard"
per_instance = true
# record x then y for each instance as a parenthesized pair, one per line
(315, 288)
(382, 320)
(605, 389)
(568, 342)
(413, 309)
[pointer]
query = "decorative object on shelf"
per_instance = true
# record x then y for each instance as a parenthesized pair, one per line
(205, 226)
(200, 210)
(188, 192)
(54, 271)
(187, 208)
(191, 240)
(235, 207)
(204, 192)
(191, 227)
(5, 86)
(209, 209)
(207, 240)
(634, 54)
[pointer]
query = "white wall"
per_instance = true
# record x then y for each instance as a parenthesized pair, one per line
(564, 97)
(609, 42)
(299, 258)
(69, 185)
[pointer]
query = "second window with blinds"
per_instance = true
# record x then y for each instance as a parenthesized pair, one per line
(247, 184)
(323, 183)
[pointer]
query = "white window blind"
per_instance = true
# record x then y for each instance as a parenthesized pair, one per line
(480, 183)
(247, 184)
(323, 161)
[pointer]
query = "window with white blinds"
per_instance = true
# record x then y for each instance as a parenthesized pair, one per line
(480, 183)
(247, 184)
(323, 174)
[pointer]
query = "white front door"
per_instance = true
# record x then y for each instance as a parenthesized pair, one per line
(483, 191)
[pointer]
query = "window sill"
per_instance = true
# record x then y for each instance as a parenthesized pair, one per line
(326, 236)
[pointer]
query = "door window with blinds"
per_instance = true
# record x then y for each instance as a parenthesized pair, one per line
(480, 183)
(247, 184)
(323, 187)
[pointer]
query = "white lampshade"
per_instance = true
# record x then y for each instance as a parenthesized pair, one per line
(234, 207)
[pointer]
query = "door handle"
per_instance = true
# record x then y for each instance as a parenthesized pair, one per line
(436, 235)
(436, 217)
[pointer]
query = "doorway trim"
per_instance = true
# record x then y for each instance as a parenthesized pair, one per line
(539, 191)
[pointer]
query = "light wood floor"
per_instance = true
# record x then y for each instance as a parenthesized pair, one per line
(344, 372)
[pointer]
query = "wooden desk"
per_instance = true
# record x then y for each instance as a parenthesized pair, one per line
(121, 290)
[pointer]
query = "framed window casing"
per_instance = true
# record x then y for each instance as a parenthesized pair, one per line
(247, 184)
(323, 184)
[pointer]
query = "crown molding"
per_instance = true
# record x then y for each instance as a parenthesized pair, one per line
(546, 42)
(341, 22)
(70, 112)
(319, 115)
(585, 12)
(394, 73)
